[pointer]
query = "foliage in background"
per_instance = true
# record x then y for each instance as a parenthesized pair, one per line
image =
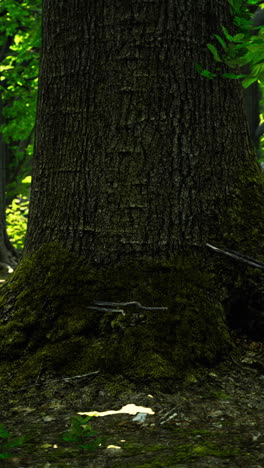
(20, 26)
(16, 220)
(239, 49)
(17, 215)
(20, 32)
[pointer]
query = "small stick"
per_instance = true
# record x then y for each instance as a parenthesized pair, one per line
(238, 256)
(124, 304)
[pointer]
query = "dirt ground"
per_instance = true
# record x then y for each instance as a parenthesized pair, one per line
(213, 421)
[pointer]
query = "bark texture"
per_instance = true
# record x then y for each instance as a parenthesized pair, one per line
(136, 154)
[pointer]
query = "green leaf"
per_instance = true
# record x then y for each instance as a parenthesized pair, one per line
(214, 52)
(227, 35)
(84, 420)
(236, 5)
(248, 81)
(233, 76)
(205, 73)
(16, 441)
(26, 180)
(5, 455)
(239, 37)
(208, 74)
(222, 42)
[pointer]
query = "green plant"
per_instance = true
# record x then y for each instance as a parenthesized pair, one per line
(16, 221)
(7, 442)
(81, 434)
(20, 35)
(240, 49)
(20, 43)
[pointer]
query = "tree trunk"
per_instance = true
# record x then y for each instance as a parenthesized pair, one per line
(8, 255)
(139, 162)
(134, 132)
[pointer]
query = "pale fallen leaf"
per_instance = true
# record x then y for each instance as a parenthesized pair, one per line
(129, 409)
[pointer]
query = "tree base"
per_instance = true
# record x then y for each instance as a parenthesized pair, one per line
(50, 323)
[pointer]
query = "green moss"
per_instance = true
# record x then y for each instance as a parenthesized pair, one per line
(182, 453)
(219, 395)
(46, 322)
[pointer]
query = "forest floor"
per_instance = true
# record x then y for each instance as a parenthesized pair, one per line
(215, 421)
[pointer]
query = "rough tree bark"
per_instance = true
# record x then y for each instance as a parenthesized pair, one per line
(134, 132)
(139, 162)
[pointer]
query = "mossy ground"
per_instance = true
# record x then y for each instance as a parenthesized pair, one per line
(47, 326)
(216, 420)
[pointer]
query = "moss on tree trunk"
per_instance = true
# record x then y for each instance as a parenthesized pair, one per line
(47, 326)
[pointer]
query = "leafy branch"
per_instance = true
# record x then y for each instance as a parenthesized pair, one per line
(243, 48)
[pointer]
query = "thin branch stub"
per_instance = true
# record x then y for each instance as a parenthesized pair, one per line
(121, 304)
(238, 256)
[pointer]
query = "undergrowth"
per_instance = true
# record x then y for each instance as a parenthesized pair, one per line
(80, 435)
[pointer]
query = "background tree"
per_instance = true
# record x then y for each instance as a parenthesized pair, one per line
(19, 43)
(7, 252)
(139, 162)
